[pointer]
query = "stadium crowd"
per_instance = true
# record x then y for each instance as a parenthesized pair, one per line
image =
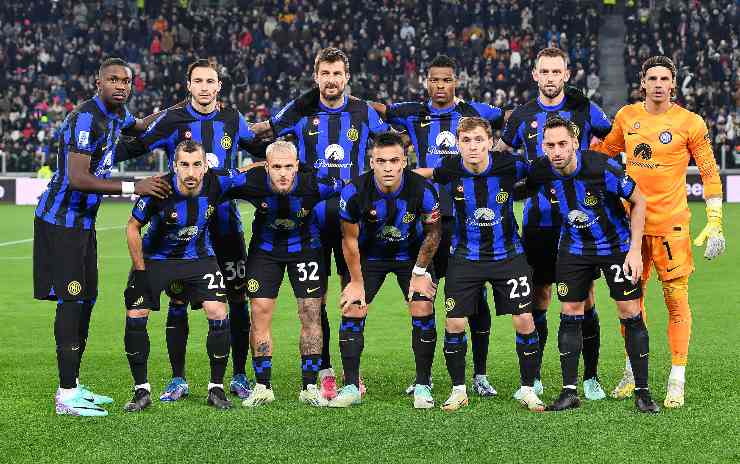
(702, 39)
(50, 50)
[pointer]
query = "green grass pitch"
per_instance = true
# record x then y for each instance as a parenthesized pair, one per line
(385, 428)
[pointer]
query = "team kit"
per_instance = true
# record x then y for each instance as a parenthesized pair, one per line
(332, 180)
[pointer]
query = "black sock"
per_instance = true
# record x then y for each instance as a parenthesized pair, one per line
(480, 334)
(423, 342)
(540, 325)
(262, 369)
(570, 340)
(527, 349)
(176, 332)
(239, 317)
(591, 343)
(351, 344)
(217, 346)
(66, 335)
(326, 338)
(136, 343)
(455, 348)
(637, 344)
(310, 365)
(87, 306)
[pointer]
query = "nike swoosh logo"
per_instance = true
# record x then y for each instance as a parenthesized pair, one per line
(240, 286)
(220, 294)
(459, 199)
(219, 357)
(529, 353)
(522, 306)
(427, 341)
(565, 354)
(631, 133)
(554, 201)
(531, 136)
(627, 292)
(424, 124)
(311, 290)
(450, 352)
(132, 354)
(347, 340)
(642, 355)
(672, 268)
(314, 132)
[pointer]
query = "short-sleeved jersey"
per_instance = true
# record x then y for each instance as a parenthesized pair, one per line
(332, 141)
(221, 133)
(391, 224)
(524, 131)
(433, 131)
(594, 221)
(485, 226)
(178, 224)
(93, 131)
(282, 222)
(658, 149)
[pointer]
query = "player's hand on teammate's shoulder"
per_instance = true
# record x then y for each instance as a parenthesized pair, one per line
(155, 186)
(252, 166)
(575, 99)
(308, 102)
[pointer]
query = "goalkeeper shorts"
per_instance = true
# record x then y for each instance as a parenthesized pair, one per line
(671, 254)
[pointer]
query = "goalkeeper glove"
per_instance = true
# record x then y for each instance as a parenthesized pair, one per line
(712, 233)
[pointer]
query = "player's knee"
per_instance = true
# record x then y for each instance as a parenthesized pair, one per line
(542, 295)
(628, 309)
(676, 296)
(523, 323)
(354, 310)
(572, 308)
(215, 310)
(421, 308)
(455, 324)
(137, 313)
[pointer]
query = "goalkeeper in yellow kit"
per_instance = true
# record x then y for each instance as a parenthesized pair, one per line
(659, 138)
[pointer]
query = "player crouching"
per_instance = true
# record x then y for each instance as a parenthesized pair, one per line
(390, 225)
(176, 256)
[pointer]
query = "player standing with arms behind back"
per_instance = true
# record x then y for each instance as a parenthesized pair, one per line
(659, 138)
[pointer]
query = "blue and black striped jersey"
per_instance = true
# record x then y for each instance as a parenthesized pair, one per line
(432, 131)
(524, 131)
(485, 226)
(178, 224)
(282, 222)
(391, 224)
(89, 130)
(221, 133)
(591, 209)
(332, 141)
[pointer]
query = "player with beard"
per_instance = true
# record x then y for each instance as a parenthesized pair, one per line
(332, 137)
(221, 131)
(285, 238)
(596, 232)
(541, 224)
(65, 266)
(431, 126)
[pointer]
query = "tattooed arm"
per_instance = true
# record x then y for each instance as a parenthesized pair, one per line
(421, 281)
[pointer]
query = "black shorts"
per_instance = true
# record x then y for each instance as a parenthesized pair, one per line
(331, 239)
(265, 273)
(442, 257)
(374, 273)
(575, 274)
(231, 253)
(65, 262)
(190, 280)
(541, 247)
(511, 280)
